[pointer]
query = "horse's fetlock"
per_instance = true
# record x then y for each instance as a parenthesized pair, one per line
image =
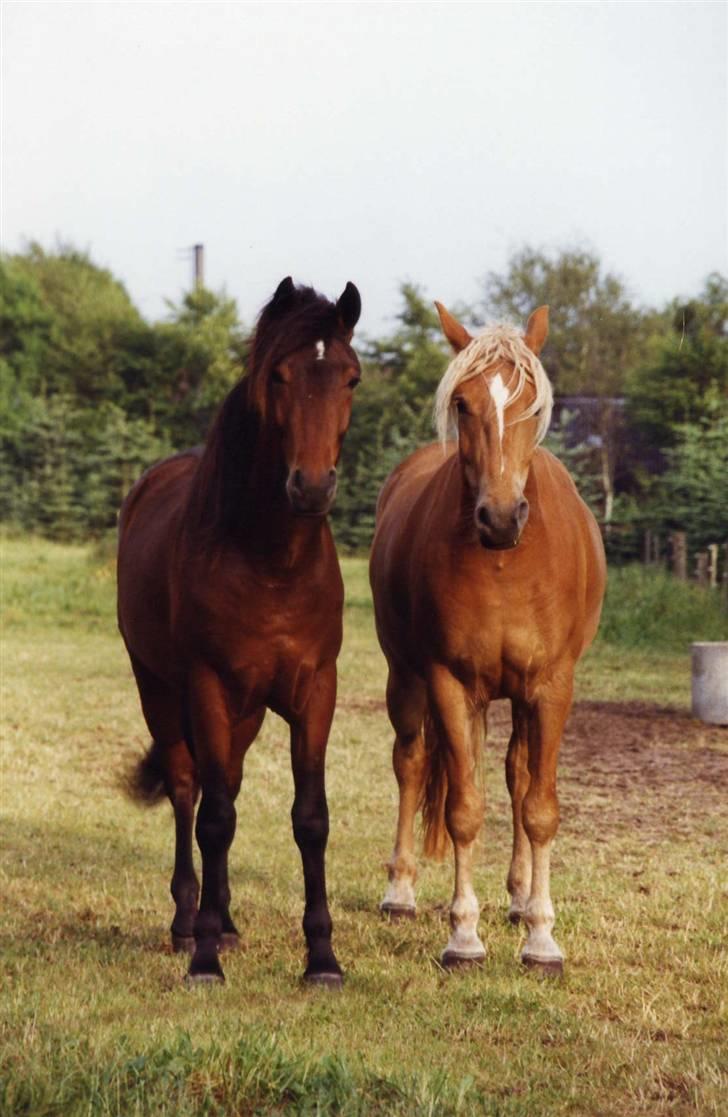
(402, 865)
(317, 925)
(185, 893)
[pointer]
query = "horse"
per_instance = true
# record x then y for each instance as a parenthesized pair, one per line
(230, 603)
(488, 573)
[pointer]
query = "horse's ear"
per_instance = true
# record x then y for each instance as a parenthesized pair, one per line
(285, 291)
(455, 333)
(348, 309)
(537, 330)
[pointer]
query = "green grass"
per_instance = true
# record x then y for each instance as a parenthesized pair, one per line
(95, 1019)
(650, 610)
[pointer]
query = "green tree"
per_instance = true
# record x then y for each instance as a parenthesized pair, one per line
(90, 315)
(692, 495)
(684, 368)
(200, 351)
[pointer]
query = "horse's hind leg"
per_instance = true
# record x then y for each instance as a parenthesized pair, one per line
(406, 705)
(170, 762)
(517, 779)
(540, 811)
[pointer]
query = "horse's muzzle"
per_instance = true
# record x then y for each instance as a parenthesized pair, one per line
(498, 529)
(311, 497)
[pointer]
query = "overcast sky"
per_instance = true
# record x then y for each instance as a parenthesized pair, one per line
(367, 141)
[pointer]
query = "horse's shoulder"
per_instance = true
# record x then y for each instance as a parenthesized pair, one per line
(171, 471)
(414, 472)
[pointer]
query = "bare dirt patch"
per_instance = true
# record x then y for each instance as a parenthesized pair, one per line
(638, 765)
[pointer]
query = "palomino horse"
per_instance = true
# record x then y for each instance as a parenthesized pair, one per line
(230, 602)
(488, 574)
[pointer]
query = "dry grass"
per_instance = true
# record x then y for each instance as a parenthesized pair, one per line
(95, 1018)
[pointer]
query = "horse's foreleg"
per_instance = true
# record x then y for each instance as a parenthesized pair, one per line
(406, 705)
(540, 812)
(310, 817)
(211, 733)
(517, 779)
(464, 809)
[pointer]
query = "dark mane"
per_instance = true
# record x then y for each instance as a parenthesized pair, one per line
(220, 488)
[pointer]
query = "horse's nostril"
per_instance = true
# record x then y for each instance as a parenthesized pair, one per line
(522, 512)
(483, 516)
(297, 480)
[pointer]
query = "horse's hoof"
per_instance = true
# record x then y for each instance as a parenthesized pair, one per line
(229, 940)
(397, 912)
(324, 980)
(546, 967)
(452, 961)
(193, 979)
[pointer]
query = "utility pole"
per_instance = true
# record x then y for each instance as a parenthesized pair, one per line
(199, 253)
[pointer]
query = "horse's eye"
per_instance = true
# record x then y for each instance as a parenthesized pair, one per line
(461, 405)
(277, 377)
(353, 382)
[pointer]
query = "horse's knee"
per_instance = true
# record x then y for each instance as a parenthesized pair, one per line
(540, 813)
(216, 818)
(464, 814)
(310, 824)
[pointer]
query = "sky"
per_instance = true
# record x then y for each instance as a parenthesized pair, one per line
(372, 142)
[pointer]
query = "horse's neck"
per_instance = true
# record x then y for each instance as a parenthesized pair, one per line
(238, 501)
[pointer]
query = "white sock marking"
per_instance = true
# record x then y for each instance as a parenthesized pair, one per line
(320, 350)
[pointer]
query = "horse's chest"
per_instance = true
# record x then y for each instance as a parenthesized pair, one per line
(493, 639)
(265, 645)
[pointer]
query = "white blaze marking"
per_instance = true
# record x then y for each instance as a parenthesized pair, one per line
(320, 350)
(500, 395)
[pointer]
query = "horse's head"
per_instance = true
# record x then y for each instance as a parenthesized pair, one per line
(497, 397)
(309, 372)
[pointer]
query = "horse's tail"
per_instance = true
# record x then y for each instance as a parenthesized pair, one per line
(436, 840)
(144, 782)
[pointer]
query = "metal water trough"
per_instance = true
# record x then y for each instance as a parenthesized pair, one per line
(710, 682)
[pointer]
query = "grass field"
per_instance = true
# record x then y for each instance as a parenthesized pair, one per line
(96, 1019)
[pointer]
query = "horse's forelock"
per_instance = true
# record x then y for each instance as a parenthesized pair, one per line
(494, 345)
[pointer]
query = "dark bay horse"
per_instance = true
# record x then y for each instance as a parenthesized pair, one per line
(230, 602)
(488, 575)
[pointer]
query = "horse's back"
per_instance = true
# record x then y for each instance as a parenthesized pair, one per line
(149, 527)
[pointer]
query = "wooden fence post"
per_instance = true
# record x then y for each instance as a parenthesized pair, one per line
(713, 565)
(679, 548)
(701, 568)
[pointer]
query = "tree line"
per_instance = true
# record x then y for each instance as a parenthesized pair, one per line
(91, 393)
